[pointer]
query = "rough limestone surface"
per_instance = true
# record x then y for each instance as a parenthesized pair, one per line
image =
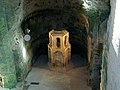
(13, 64)
(111, 56)
(113, 62)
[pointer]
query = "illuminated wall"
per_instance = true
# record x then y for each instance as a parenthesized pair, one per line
(111, 54)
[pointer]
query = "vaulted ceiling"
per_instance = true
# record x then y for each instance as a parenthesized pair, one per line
(73, 15)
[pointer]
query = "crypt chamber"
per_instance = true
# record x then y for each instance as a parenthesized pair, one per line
(66, 35)
(41, 22)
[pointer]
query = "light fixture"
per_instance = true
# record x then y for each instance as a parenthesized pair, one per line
(27, 37)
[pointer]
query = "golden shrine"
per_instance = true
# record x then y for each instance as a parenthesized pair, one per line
(59, 48)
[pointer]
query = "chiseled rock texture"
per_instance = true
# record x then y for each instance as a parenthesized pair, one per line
(13, 65)
(111, 56)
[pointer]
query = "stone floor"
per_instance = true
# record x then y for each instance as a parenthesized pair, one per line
(42, 77)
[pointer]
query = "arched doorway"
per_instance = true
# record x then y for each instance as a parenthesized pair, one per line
(58, 58)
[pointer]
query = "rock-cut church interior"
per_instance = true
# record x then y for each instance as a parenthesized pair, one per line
(59, 45)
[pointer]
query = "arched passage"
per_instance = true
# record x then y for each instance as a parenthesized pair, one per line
(41, 22)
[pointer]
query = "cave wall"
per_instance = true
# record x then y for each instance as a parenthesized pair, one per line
(7, 66)
(98, 13)
(13, 64)
(111, 53)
